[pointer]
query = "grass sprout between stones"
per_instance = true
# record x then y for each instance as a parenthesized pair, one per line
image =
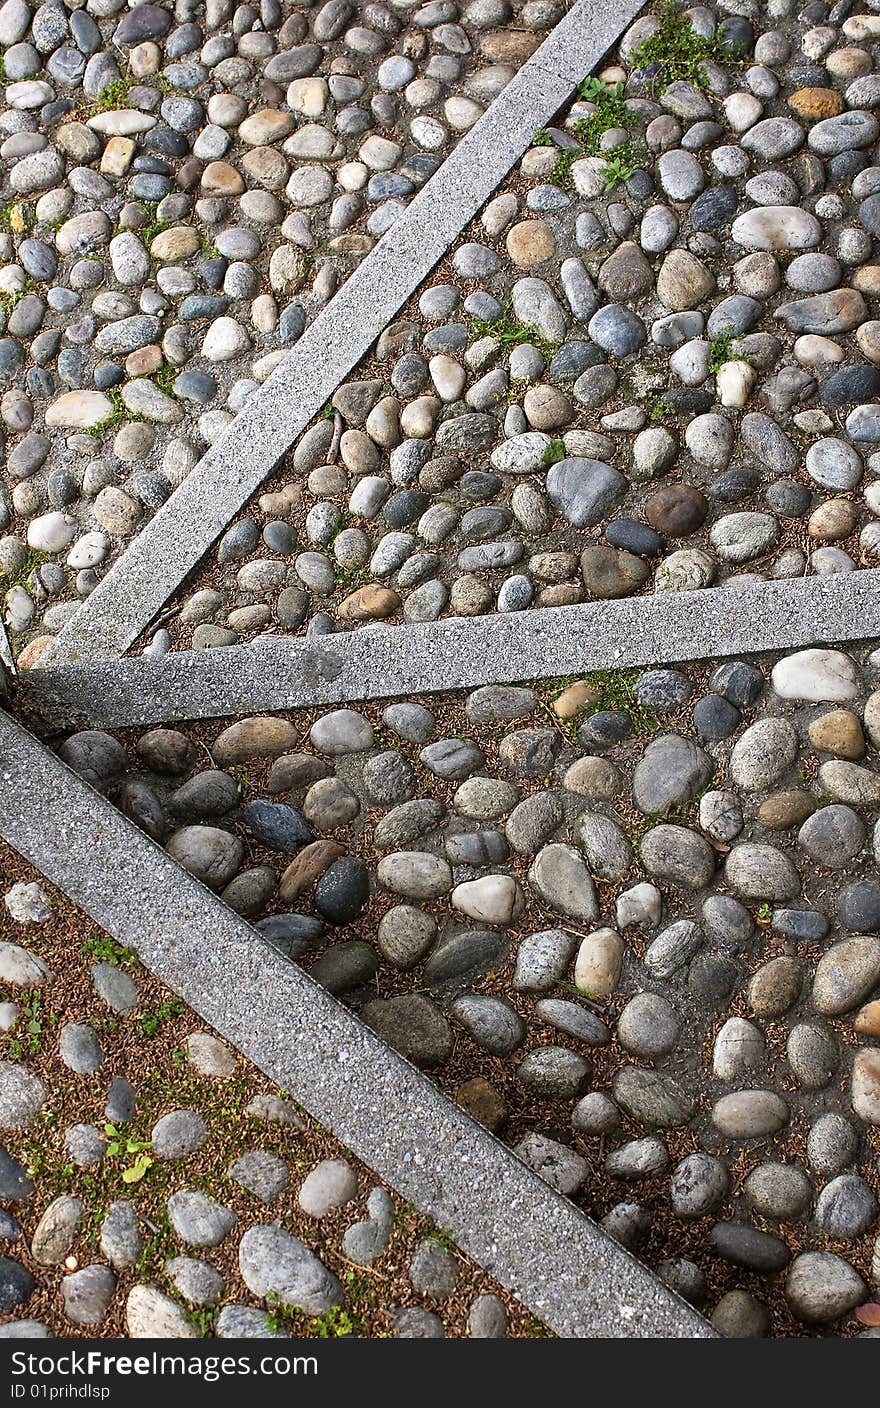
(676, 50)
(507, 332)
(722, 349)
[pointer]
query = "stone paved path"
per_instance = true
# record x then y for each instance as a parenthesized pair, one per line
(628, 920)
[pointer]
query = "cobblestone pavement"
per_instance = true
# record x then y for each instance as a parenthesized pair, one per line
(157, 1186)
(628, 921)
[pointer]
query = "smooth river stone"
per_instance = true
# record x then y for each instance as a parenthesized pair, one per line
(777, 227)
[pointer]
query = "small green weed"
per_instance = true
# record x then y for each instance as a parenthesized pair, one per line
(31, 1025)
(126, 1145)
(32, 561)
(113, 97)
(106, 950)
(165, 378)
(152, 1022)
(677, 49)
(721, 350)
(327, 412)
(658, 406)
(615, 690)
(554, 452)
(441, 1237)
(17, 217)
(508, 332)
(204, 1318)
(120, 415)
(542, 138)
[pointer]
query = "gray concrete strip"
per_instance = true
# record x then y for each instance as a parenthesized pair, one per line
(580, 1282)
(181, 532)
(278, 672)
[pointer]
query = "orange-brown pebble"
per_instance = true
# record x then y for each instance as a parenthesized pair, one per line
(483, 1102)
(786, 809)
(369, 603)
(867, 1022)
(833, 520)
(816, 102)
(576, 697)
(838, 732)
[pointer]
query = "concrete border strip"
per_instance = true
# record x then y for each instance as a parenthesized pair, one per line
(278, 672)
(170, 545)
(580, 1282)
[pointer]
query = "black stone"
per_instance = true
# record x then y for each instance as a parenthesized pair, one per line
(733, 485)
(858, 907)
(852, 386)
(293, 934)
(846, 165)
(736, 35)
(632, 536)
(740, 683)
(804, 924)
(788, 498)
(276, 825)
(604, 729)
(712, 978)
(345, 966)
(746, 1246)
(714, 207)
(404, 507)
(716, 718)
(15, 1185)
(479, 486)
(343, 890)
(17, 1285)
(689, 400)
(574, 358)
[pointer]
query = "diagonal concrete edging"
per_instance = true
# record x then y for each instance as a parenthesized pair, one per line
(181, 532)
(580, 1282)
(379, 662)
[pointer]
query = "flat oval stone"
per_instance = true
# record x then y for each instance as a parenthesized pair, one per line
(777, 227)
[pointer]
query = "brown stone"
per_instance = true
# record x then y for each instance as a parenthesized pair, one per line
(867, 1021)
(482, 1102)
(576, 697)
(308, 867)
(676, 510)
(833, 520)
(816, 103)
(867, 280)
(144, 361)
(221, 179)
(258, 737)
(369, 603)
(848, 63)
(626, 274)
(838, 732)
(775, 987)
(295, 772)
(530, 242)
(785, 809)
(683, 281)
(33, 651)
(547, 408)
(177, 243)
(266, 168)
(509, 46)
(564, 594)
(609, 572)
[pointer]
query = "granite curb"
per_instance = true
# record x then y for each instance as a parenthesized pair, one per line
(277, 672)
